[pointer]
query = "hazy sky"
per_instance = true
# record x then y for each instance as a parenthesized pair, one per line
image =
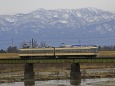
(25, 6)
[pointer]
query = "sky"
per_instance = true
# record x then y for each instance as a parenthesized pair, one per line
(26, 6)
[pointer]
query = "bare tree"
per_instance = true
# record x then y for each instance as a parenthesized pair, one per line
(35, 44)
(31, 44)
(25, 44)
(12, 49)
(43, 44)
(2, 51)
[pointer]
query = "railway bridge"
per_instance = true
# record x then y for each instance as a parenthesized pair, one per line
(75, 75)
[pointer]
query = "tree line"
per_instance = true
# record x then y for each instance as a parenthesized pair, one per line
(10, 49)
(30, 44)
(106, 48)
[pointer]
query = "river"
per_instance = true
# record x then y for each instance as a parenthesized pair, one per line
(84, 82)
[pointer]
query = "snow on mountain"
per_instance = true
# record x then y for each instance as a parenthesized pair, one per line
(59, 23)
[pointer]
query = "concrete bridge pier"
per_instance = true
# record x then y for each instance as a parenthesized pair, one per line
(29, 75)
(75, 75)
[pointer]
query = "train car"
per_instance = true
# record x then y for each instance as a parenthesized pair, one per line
(73, 52)
(36, 52)
(60, 52)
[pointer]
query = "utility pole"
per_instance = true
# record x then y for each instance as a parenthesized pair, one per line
(32, 42)
(79, 42)
(12, 41)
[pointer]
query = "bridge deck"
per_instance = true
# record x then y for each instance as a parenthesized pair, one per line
(78, 60)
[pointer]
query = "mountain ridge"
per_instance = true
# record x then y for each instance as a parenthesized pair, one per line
(61, 23)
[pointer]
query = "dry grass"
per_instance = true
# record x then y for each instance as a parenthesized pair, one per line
(9, 55)
(96, 65)
(106, 54)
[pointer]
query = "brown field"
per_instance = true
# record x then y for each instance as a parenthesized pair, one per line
(9, 55)
(100, 54)
(106, 54)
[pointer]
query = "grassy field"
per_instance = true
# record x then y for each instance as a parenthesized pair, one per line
(100, 54)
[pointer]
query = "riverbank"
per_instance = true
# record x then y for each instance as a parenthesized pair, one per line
(15, 73)
(85, 73)
(62, 75)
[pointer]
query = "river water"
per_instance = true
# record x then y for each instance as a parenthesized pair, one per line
(84, 82)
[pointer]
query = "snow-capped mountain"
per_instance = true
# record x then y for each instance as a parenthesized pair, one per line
(63, 24)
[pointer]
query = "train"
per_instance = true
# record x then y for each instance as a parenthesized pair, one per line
(60, 52)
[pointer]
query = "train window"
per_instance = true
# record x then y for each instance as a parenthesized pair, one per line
(29, 51)
(68, 51)
(79, 50)
(24, 51)
(36, 51)
(75, 50)
(83, 50)
(93, 50)
(50, 51)
(32, 51)
(87, 50)
(58, 51)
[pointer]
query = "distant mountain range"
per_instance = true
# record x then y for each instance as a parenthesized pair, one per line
(71, 26)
